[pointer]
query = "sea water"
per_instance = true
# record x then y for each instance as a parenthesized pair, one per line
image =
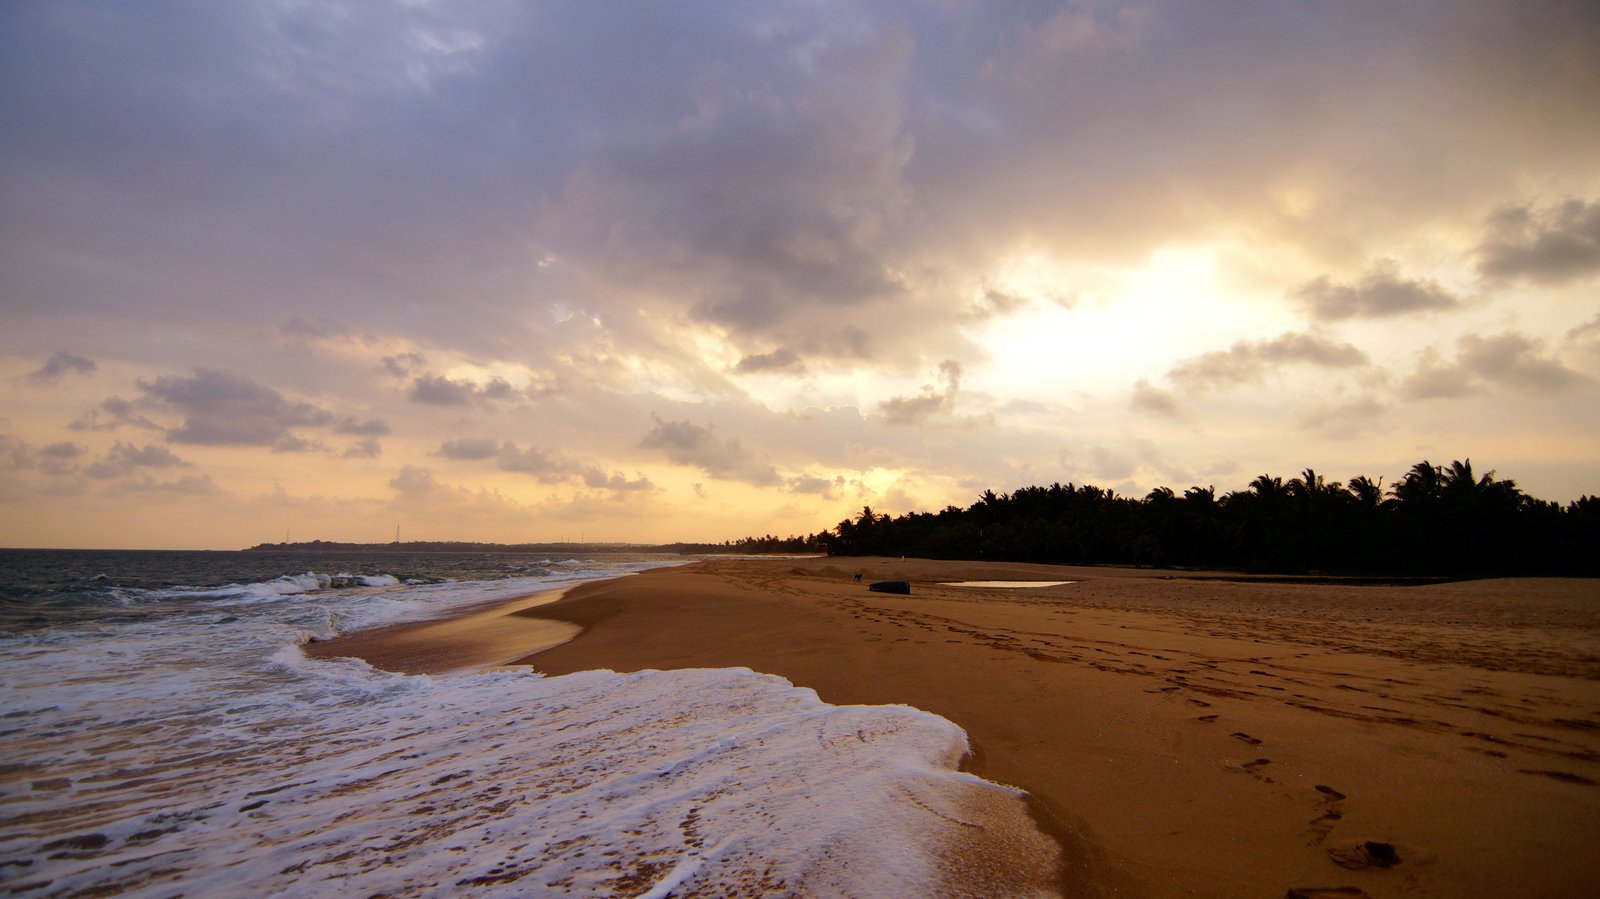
(163, 735)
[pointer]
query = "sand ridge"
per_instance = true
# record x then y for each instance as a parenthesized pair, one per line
(1194, 734)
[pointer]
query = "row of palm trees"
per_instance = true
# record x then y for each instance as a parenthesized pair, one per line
(1436, 520)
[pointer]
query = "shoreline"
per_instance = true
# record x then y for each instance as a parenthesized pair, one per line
(1188, 735)
(484, 635)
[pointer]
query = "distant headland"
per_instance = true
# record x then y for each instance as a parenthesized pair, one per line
(740, 547)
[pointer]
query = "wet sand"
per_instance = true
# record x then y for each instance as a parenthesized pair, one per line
(1194, 735)
(474, 639)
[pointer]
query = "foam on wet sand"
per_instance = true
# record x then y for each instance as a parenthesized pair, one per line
(1190, 734)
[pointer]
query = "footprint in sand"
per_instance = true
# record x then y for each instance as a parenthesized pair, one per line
(1239, 735)
(1332, 813)
(1562, 776)
(1365, 854)
(1208, 718)
(1327, 893)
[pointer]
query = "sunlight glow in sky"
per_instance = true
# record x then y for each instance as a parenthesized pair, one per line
(697, 270)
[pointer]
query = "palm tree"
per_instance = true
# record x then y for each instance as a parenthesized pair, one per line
(1421, 486)
(1367, 492)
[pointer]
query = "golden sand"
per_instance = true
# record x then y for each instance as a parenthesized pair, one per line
(1192, 735)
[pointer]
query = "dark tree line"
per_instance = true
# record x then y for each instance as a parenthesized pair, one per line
(1437, 520)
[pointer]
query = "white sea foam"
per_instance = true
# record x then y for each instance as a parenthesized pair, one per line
(201, 753)
(1010, 584)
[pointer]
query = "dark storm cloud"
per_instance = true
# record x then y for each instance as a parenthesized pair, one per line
(686, 443)
(1381, 293)
(1248, 360)
(59, 366)
(1546, 246)
(225, 409)
(1509, 360)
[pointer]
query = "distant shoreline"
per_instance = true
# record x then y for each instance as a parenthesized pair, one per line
(455, 546)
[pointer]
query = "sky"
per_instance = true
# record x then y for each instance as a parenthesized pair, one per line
(639, 272)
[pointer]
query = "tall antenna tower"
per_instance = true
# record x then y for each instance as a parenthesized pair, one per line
(397, 533)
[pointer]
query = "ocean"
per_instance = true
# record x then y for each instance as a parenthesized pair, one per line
(162, 734)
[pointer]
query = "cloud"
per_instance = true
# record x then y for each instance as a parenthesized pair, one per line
(112, 413)
(124, 459)
(469, 448)
(1247, 360)
(366, 448)
(827, 488)
(1381, 293)
(686, 443)
(1546, 246)
(218, 408)
(993, 301)
(188, 485)
(779, 360)
(934, 401)
(1508, 359)
(53, 459)
(413, 482)
(765, 200)
(294, 443)
(224, 409)
(401, 365)
(547, 465)
(1153, 400)
(59, 366)
(372, 427)
(616, 480)
(1585, 331)
(436, 390)
(418, 491)
(1346, 420)
(313, 329)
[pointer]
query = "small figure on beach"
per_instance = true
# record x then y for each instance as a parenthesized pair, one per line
(858, 577)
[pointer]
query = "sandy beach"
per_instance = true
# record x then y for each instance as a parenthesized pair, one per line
(1180, 734)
